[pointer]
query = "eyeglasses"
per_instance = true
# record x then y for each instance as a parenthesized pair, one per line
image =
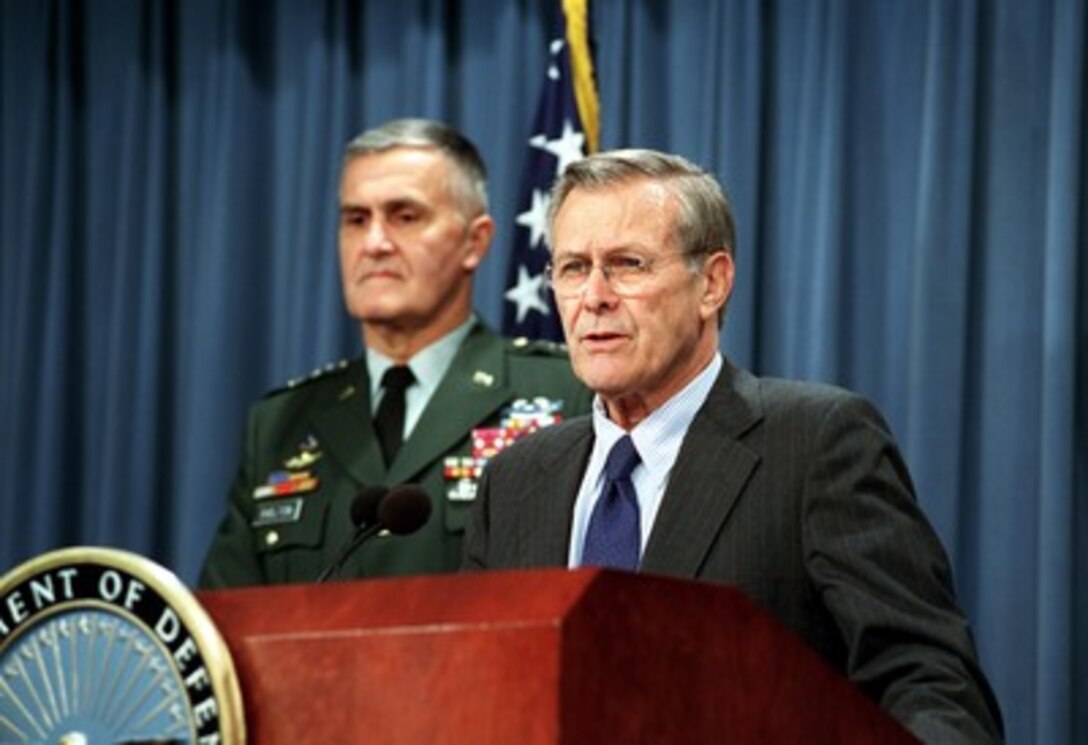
(625, 274)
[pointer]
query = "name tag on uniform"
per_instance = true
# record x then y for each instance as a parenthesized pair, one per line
(279, 512)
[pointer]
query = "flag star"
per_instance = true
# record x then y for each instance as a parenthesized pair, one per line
(567, 148)
(527, 294)
(553, 69)
(535, 217)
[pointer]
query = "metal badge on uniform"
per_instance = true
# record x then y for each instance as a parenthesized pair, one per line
(532, 414)
(296, 480)
(286, 484)
(461, 474)
(522, 417)
(278, 512)
(308, 453)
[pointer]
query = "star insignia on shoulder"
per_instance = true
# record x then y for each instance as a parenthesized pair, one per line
(318, 373)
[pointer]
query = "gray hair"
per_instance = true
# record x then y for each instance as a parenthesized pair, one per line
(705, 222)
(469, 185)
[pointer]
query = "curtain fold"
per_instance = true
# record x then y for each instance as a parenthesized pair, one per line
(909, 180)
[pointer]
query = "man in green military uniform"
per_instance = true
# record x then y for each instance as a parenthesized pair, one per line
(434, 395)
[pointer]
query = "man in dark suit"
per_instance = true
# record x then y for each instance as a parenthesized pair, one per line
(690, 467)
(435, 393)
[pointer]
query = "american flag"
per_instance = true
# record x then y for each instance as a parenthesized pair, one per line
(564, 130)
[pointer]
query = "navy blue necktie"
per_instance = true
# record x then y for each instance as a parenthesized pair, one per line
(613, 537)
(389, 419)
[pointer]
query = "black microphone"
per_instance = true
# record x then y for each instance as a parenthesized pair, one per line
(364, 513)
(405, 509)
(364, 508)
(401, 510)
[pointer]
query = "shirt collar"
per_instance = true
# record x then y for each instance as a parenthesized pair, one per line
(428, 365)
(658, 437)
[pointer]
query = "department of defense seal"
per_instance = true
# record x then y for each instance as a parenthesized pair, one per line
(99, 645)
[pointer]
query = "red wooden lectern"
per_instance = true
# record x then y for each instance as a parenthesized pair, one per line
(527, 658)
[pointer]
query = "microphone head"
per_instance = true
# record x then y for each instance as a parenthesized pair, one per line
(364, 507)
(405, 509)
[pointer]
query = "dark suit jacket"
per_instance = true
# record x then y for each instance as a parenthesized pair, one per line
(329, 416)
(797, 494)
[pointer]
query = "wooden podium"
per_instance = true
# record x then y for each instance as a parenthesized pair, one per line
(528, 658)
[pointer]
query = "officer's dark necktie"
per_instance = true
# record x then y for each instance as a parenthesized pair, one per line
(389, 420)
(613, 538)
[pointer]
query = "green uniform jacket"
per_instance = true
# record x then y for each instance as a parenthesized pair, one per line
(319, 435)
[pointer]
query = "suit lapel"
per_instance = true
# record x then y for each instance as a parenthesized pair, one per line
(549, 493)
(708, 478)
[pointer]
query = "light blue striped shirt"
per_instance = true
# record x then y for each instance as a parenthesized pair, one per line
(657, 438)
(428, 365)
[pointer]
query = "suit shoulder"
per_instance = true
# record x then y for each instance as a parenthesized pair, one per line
(815, 400)
(802, 390)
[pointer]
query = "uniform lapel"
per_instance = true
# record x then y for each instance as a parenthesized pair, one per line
(708, 478)
(474, 388)
(345, 429)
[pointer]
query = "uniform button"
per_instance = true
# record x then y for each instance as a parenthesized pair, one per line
(271, 538)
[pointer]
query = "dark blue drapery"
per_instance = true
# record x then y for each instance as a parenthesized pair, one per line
(910, 179)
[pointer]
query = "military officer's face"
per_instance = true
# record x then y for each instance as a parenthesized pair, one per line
(408, 246)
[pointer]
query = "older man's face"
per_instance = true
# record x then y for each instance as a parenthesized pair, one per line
(646, 340)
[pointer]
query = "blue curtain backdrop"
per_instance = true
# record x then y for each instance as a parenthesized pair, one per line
(910, 180)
